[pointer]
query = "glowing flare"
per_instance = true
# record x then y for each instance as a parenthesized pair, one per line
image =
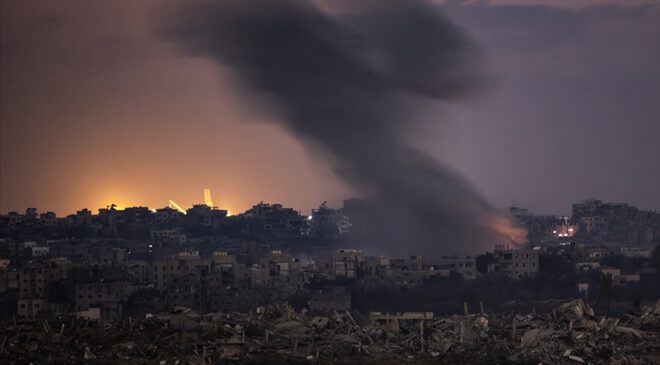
(177, 207)
(207, 197)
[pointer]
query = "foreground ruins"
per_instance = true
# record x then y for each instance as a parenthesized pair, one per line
(571, 334)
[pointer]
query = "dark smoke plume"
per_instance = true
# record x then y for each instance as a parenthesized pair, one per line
(341, 81)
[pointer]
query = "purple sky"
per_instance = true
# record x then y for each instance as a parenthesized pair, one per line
(95, 109)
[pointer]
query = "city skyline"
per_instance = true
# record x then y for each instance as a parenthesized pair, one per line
(330, 182)
(95, 117)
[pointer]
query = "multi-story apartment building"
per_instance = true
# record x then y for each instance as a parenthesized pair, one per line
(347, 263)
(515, 263)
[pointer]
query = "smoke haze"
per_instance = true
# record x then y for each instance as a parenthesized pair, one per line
(342, 83)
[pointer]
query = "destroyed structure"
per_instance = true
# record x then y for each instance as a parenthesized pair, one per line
(137, 285)
(571, 334)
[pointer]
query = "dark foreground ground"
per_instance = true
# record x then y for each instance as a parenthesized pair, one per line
(276, 334)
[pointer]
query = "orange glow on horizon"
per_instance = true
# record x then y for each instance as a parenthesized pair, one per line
(119, 201)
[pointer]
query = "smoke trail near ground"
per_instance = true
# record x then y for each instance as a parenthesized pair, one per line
(342, 81)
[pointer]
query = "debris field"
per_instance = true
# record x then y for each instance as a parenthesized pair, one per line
(571, 334)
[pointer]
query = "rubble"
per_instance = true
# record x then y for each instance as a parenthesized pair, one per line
(572, 334)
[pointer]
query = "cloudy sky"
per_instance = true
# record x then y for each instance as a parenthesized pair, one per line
(97, 109)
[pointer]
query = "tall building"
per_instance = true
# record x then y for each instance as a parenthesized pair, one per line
(329, 223)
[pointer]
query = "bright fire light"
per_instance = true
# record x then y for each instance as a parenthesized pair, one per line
(177, 207)
(507, 228)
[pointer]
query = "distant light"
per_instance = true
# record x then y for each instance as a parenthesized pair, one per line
(309, 217)
(207, 197)
(570, 229)
(177, 207)
(554, 232)
(150, 246)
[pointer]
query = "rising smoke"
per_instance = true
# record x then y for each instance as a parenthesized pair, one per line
(342, 81)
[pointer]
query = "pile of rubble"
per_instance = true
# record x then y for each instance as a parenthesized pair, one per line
(571, 334)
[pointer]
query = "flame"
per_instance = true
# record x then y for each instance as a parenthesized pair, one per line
(509, 229)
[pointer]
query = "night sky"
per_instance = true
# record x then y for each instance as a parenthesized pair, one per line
(96, 109)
